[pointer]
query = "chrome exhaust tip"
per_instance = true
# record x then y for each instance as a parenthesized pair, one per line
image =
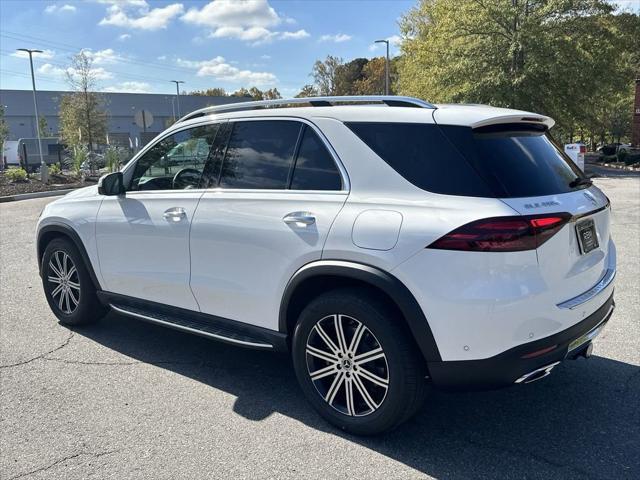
(537, 374)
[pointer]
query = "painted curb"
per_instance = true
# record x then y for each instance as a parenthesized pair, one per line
(27, 196)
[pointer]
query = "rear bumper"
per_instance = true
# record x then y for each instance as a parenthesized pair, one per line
(507, 367)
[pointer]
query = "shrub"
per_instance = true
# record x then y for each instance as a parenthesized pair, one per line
(16, 175)
(632, 158)
(79, 156)
(54, 169)
(622, 154)
(113, 158)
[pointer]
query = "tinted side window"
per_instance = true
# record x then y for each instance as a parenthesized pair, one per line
(423, 156)
(516, 160)
(176, 161)
(315, 168)
(260, 154)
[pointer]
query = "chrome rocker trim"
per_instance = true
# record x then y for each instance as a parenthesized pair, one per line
(188, 329)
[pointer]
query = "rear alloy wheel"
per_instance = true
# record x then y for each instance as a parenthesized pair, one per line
(69, 289)
(347, 365)
(356, 361)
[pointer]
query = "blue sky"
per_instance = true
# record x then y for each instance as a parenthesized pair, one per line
(139, 45)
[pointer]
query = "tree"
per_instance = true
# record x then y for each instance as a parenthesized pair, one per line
(347, 75)
(555, 57)
(43, 126)
(242, 92)
(4, 128)
(210, 92)
(83, 118)
(271, 94)
(325, 75)
(307, 91)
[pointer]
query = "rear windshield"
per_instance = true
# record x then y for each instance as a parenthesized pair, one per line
(504, 161)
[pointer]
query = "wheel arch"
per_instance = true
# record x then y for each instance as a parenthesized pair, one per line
(317, 277)
(59, 230)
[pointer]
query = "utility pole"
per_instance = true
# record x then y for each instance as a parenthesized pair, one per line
(44, 171)
(386, 67)
(177, 82)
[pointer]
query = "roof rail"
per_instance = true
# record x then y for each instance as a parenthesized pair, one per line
(389, 100)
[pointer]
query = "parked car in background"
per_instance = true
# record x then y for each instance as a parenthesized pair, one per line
(385, 242)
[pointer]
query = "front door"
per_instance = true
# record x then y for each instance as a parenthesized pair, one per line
(143, 236)
(274, 197)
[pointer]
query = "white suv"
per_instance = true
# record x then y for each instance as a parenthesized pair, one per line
(385, 242)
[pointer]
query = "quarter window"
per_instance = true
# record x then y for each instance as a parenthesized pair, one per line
(315, 168)
(260, 154)
(175, 162)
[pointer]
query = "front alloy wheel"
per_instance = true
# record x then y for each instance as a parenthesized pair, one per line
(64, 282)
(347, 365)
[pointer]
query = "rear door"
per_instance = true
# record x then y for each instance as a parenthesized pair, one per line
(275, 191)
(528, 172)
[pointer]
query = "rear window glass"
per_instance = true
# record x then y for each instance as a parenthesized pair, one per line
(502, 161)
(516, 161)
(423, 156)
(315, 168)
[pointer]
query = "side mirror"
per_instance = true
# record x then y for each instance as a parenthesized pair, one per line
(111, 184)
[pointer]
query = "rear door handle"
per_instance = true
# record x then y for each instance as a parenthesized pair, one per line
(174, 214)
(300, 219)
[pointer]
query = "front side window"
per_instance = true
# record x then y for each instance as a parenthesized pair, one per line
(175, 162)
(260, 154)
(315, 168)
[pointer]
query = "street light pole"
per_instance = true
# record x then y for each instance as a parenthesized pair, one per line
(43, 167)
(386, 67)
(177, 82)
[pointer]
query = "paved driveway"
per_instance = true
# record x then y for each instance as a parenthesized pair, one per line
(124, 399)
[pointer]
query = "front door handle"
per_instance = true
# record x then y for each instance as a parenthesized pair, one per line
(300, 219)
(174, 214)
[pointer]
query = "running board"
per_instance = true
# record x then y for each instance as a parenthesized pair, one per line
(209, 326)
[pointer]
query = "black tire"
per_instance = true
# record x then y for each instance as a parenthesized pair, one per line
(79, 285)
(403, 365)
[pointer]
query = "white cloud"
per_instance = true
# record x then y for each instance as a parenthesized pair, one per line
(129, 87)
(162, 57)
(220, 69)
(147, 19)
(53, 71)
(123, 37)
(126, 3)
(46, 54)
(265, 57)
(337, 38)
(250, 21)
(102, 57)
(66, 8)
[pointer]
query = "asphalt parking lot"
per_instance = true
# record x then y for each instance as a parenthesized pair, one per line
(123, 399)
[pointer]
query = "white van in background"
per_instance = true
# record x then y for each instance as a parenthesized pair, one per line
(9, 154)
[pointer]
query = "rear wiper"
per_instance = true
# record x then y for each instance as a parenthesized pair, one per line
(580, 181)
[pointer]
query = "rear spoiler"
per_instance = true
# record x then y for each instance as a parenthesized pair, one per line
(548, 122)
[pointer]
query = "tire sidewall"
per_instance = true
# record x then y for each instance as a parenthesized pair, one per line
(376, 318)
(87, 289)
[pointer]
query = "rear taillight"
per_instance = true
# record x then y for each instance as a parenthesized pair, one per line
(503, 234)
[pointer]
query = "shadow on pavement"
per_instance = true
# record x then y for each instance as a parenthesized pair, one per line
(582, 421)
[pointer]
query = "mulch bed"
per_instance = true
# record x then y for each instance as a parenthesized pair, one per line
(56, 182)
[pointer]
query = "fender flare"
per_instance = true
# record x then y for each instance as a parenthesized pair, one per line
(69, 232)
(394, 288)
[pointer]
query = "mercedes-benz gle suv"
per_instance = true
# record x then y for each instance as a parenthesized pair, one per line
(384, 242)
